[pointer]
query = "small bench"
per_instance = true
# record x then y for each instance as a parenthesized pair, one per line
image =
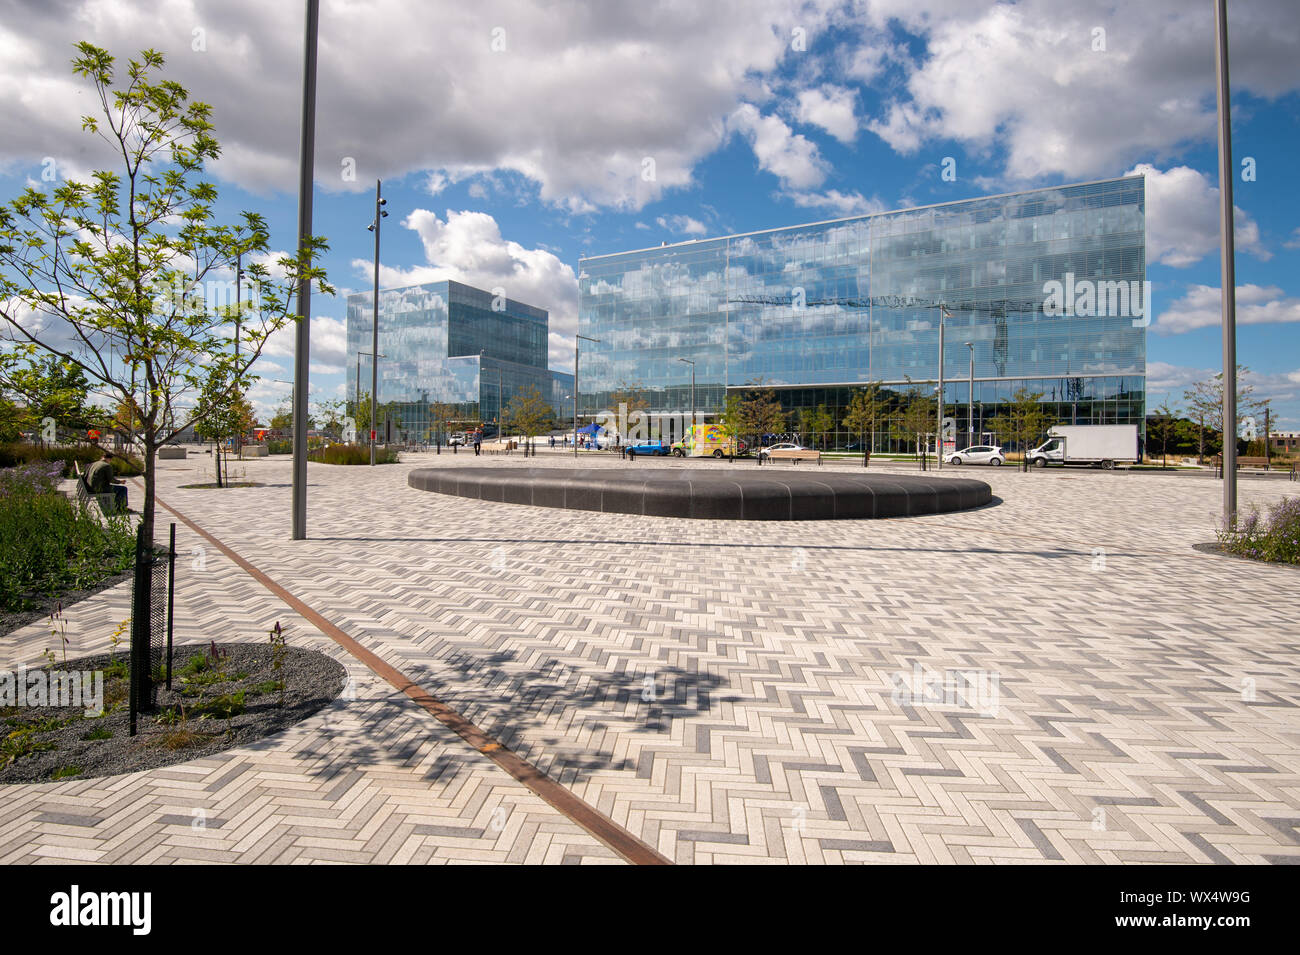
(789, 454)
(171, 452)
(253, 451)
(1247, 462)
(497, 447)
(107, 502)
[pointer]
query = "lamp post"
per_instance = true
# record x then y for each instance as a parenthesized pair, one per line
(1227, 268)
(970, 399)
(938, 440)
(302, 344)
(380, 202)
(691, 362)
(580, 338)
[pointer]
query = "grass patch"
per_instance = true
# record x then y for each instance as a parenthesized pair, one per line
(98, 733)
(17, 453)
(66, 772)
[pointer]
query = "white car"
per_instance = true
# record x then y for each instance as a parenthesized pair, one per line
(787, 446)
(977, 454)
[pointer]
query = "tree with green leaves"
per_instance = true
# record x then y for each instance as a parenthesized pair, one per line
(224, 414)
(1205, 405)
(1161, 428)
(329, 414)
(917, 418)
(866, 409)
(1024, 422)
(528, 412)
(118, 276)
(52, 388)
(760, 412)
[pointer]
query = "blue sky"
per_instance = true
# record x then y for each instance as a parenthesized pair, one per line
(512, 137)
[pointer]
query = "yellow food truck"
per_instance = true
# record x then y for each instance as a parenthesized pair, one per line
(706, 440)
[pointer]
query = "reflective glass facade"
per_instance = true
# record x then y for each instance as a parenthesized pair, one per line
(816, 309)
(451, 343)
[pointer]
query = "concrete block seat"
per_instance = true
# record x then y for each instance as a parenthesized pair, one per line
(696, 493)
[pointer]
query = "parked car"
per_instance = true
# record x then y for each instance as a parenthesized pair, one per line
(783, 446)
(649, 448)
(458, 439)
(977, 454)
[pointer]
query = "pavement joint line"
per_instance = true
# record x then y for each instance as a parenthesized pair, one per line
(600, 826)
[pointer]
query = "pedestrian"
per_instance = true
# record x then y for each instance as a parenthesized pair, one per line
(552, 442)
(477, 446)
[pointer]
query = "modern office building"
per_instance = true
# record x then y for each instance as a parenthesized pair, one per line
(452, 344)
(816, 310)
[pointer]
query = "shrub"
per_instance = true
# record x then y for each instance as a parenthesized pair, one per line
(17, 453)
(352, 454)
(48, 543)
(1275, 538)
(279, 447)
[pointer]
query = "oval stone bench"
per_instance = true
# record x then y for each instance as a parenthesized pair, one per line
(717, 495)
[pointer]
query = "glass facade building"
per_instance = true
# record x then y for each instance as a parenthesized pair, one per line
(815, 310)
(453, 344)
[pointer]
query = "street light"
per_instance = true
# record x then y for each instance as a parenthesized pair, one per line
(302, 344)
(938, 439)
(380, 214)
(580, 338)
(970, 399)
(692, 364)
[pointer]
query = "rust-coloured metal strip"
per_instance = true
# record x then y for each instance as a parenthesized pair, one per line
(599, 825)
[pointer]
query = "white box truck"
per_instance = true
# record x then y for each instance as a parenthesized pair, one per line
(1095, 444)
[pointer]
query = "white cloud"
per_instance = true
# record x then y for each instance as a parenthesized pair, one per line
(831, 108)
(329, 341)
(1025, 77)
(842, 204)
(1294, 241)
(1183, 217)
(791, 157)
(683, 224)
(468, 247)
(1201, 308)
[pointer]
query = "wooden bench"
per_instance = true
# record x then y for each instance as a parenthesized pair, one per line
(1250, 462)
(107, 503)
(497, 447)
(789, 454)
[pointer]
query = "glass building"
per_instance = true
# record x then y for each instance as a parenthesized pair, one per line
(452, 344)
(815, 310)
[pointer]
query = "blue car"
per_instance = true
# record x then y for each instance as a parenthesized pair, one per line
(648, 447)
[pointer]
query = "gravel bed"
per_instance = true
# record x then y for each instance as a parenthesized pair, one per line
(52, 741)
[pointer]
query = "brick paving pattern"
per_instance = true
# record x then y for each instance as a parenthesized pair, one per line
(728, 692)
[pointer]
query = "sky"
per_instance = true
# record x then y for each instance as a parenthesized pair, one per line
(514, 137)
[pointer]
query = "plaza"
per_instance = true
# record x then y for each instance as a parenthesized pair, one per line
(532, 684)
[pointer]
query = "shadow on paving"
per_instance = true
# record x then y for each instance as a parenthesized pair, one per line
(510, 704)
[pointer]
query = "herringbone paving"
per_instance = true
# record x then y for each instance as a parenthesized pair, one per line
(728, 692)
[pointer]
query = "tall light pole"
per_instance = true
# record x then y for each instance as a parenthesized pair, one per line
(970, 399)
(374, 227)
(580, 338)
(938, 438)
(301, 358)
(1227, 266)
(692, 364)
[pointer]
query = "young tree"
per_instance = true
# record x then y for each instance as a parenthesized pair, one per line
(329, 414)
(1024, 422)
(113, 276)
(1205, 405)
(528, 412)
(866, 409)
(224, 414)
(917, 419)
(732, 419)
(51, 388)
(761, 413)
(1161, 428)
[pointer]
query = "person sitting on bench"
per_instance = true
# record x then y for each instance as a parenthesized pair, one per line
(100, 479)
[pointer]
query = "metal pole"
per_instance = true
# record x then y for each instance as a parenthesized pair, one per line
(239, 296)
(1227, 268)
(938, 440)
(579, 338)
(171, 600)
(301, 364)
(374, 328)
(970, 399)
(356, 406)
